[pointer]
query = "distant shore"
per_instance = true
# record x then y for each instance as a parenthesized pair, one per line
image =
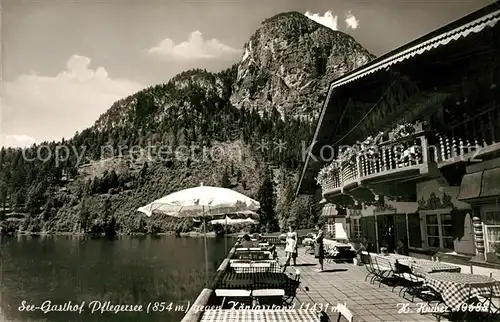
(186, 234)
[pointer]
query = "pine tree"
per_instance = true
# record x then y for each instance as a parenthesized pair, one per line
(112, 179)
(84, 215)
(36, 198)
(284, 204)
(224, 181)
(267, 199)
(313, 214)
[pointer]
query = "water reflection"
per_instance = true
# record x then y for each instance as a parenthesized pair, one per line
(128, 270)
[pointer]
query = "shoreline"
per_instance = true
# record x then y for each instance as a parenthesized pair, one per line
(186, 234)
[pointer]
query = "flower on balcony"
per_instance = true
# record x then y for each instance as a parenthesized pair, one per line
(348, 153)
(412, 151)
(370, 145)
(326, 171)
(403, 130)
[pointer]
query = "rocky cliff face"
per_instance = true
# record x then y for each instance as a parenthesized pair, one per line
(289, 62)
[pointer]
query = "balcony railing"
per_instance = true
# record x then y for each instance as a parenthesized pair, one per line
(333, 182)
(475, 136)
(391, 157)
(407, 154)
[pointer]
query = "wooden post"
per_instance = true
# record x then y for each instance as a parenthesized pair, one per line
(478, 235)
(376, 234)
(425, 149)
(407, 233)
(358, 168)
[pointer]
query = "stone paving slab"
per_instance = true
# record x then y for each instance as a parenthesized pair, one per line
(345, 283)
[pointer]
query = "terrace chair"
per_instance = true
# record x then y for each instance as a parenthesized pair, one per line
(414, 284)
(483, 307)
(494, 304)
(398, 273)
(383, 270)
(368, 263)
(291, 289)
(344, 312)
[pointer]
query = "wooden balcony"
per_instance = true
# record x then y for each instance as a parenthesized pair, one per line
(468, 141)
(400, 160)
(404, 161)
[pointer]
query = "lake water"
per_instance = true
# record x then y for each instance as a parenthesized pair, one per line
(133, 271)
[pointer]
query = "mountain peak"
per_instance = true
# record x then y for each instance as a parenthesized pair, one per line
(290, 15)
(288, 63)
(291, 24)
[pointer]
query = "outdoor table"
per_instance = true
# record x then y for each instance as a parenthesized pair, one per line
(268, 292)
(422, 267)
(251, 267)
(458, 288)
(271, 280)
(251, 264)
(240, 281)
(395, 258)
(255, 266)
(232, 293)
(263, 244)
(252, 261)
(337, 251)
(249, 249)
(248, 315)
(252, 254)
(398, 257)
(253, 281)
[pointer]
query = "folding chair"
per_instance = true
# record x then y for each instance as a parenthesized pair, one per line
(344, 312)
(398, 271)
(414, 284)
(494, 304)
(383, 269)
(367, 262)
(291, 289)
(483, 306)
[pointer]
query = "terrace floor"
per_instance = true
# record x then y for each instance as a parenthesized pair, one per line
(345, 283)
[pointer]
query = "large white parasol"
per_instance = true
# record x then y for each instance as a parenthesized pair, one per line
(201, 201)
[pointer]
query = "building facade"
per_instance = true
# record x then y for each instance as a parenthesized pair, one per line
(416, 143)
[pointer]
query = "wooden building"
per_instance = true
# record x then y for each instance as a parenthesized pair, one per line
(415, 138)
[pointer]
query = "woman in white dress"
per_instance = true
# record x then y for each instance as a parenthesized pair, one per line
(291, 247)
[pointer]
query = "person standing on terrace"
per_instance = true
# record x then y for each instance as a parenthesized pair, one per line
(291, 247)
(319, 250)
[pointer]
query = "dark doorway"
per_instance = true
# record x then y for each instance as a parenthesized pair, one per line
(414, 231)
(386, 232)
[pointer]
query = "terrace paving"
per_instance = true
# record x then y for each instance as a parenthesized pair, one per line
(345, 283)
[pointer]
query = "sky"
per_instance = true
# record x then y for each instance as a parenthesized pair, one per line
(64, 62)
